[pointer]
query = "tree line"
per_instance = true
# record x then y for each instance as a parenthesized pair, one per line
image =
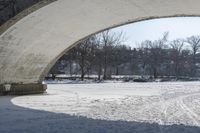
(105, 55)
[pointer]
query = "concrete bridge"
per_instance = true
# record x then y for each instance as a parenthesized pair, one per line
(31, 46)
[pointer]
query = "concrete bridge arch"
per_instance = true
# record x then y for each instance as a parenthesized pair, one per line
(29, 48)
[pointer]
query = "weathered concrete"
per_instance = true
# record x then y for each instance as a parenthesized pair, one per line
(31, 46)
(23, 89)
(24, 13)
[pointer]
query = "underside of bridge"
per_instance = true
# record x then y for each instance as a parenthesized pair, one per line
(30, 47)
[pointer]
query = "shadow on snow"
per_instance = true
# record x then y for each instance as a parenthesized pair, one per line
(15, 119)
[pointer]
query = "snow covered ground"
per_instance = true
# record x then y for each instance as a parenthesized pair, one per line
(105, 107)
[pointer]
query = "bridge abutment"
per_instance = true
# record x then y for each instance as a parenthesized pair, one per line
(22, 89)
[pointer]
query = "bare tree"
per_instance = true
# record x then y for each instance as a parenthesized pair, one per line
(108, 40)
(194, 42)
(104, 54)
(70, 56)
(177, 47)
(85, 55)
(156, 53)
(121, 55)
(144, 52)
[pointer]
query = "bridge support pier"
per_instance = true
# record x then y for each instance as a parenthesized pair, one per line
(22, 89)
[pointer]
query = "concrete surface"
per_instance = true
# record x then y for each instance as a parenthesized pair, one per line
(29, 48)
(22, 14)
(23, 89)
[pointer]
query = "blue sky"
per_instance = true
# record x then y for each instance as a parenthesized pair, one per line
(180, 27)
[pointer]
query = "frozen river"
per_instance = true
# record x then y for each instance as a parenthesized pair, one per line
(105, 108)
